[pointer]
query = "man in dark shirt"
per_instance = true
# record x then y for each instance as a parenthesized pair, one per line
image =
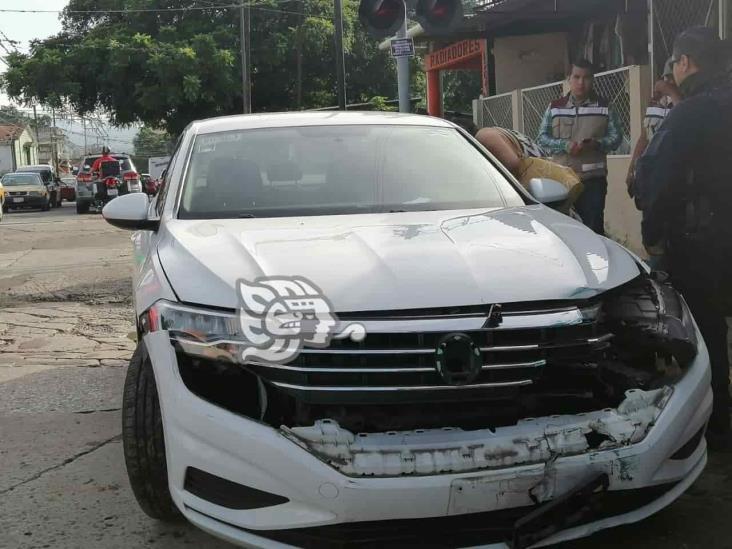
(684, 187)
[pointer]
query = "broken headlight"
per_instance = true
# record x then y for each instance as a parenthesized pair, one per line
(204, 332)
(648, 314)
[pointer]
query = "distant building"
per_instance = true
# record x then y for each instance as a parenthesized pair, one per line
(18, 147)
(55, 138)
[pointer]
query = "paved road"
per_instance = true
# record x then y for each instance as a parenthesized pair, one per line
(64, 326)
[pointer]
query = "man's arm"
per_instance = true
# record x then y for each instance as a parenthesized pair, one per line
(546, 138)
(640, 148)
(614, 135)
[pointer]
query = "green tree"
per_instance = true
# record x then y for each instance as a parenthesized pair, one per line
(165, 69)
(151, 142)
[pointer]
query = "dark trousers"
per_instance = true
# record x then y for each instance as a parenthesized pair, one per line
(693, 267)
(591, 204)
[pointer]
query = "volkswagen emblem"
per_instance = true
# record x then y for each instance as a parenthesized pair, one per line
(458, 359)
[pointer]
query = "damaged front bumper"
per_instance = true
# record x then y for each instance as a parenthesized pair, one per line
(448, 450)
(335, 479)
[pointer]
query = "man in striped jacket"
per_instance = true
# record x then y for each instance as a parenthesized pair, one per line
(579, 130)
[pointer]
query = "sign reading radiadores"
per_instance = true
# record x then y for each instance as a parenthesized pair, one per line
(402, 47)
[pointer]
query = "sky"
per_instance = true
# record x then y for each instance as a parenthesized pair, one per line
(24, 27)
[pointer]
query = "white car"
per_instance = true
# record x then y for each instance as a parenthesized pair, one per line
(359, 328)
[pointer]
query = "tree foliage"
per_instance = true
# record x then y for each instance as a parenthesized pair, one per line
(152, 142)
(165, 69)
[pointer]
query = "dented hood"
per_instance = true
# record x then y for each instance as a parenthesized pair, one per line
(399, 260)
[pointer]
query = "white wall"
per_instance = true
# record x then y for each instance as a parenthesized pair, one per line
(26, 138)
(6, 158)
(527, 61)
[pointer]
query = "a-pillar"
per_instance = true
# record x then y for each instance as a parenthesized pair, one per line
(434, 93)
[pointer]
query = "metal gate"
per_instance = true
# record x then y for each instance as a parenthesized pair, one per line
(671, 17)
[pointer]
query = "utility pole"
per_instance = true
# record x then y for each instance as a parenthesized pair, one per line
(403, 72)
(54, 152)
(340, 61)
(83, 123)
(246, 85)
(35, 124)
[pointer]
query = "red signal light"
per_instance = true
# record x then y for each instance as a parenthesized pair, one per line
(439, 16)
(382, 17)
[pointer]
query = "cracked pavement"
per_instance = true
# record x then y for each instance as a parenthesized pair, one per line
(65, 335)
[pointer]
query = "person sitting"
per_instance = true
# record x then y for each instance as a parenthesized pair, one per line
(526, 160)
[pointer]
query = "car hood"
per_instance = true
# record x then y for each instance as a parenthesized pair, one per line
(400, 260)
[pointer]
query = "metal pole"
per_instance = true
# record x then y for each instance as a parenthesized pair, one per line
(54, 152)
(403, 73)
(723, 7)
(652, 42)
(83, 123)
(244, 18)
(340, 60)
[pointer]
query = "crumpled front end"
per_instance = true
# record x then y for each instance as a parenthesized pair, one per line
(368, 441)
(450, 450)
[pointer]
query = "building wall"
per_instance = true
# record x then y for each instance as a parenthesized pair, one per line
(622, 218)
(527, 61)
(6, 158)
(21, 158)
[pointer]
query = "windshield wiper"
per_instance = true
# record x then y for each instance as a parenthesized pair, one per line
(397, 211)
(246, 216)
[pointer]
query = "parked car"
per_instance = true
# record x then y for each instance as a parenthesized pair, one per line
(27, 190)
(359, 326)
(68, 188)
(50, 180)
(86, 185)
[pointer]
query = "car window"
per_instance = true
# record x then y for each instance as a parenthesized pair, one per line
(126, 163)
(337, 170)
(164, 185)
(45, 173)
(18, 179)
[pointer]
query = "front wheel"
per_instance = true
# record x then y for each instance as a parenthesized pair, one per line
(143, 440)
(47, 205)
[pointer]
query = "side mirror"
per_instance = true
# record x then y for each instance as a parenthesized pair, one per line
(129, 212)
(548, 191)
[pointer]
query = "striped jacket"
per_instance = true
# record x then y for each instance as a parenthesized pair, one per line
(567, 121)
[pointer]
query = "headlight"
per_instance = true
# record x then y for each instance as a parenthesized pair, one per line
(37, 193)
(650, 315)
(203, 332)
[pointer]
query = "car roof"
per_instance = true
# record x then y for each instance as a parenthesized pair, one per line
(25, 174)
(322, 118)
(34, 167)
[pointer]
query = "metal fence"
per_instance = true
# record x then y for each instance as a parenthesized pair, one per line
(615, 87)
(497, 111)
(671, 17)
(535, 102)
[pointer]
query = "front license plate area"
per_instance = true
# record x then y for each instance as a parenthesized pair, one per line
(18, 200)
(112, 192)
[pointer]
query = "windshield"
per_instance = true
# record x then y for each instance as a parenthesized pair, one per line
(45, 173)
(125, 163)
(339, 170)
(18, 179)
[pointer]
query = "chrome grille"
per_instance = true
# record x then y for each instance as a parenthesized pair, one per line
(396, 361)
(17, 193)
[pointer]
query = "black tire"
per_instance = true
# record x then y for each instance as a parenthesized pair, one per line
(46, 206)
(82, 207)
(143, 440)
